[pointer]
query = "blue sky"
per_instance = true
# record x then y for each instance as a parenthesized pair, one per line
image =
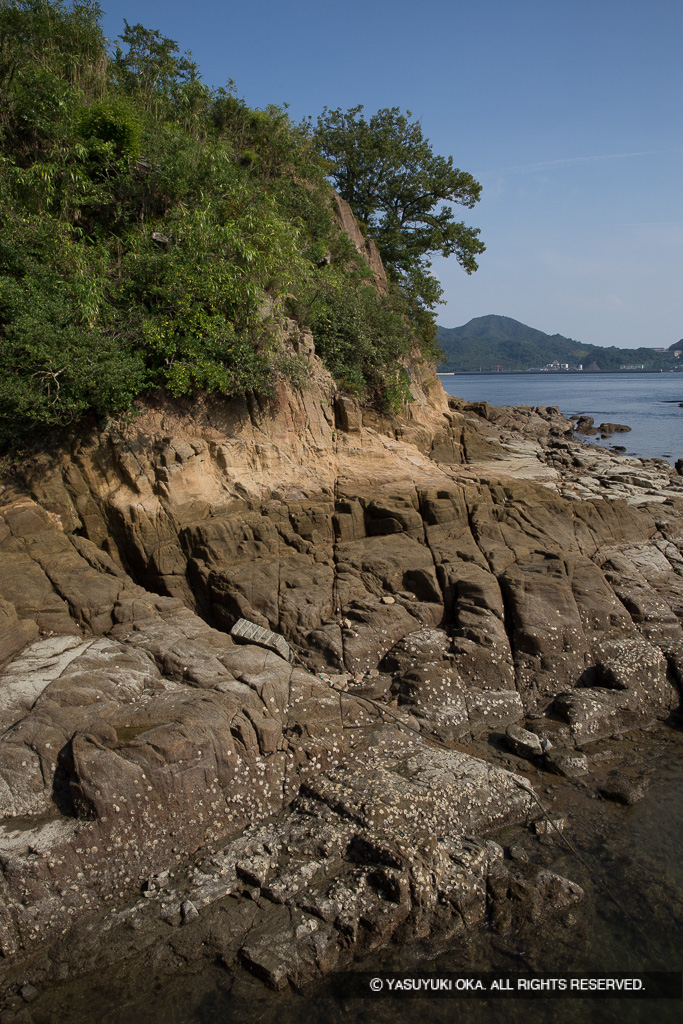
(569, 114)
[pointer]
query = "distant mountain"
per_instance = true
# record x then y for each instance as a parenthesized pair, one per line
(499, 342)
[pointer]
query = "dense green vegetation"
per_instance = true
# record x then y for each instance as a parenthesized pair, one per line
(499, 342)
(155, 233)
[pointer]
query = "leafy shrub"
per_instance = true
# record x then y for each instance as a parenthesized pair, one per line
(58, 359)
(361, 337)
(115, 122)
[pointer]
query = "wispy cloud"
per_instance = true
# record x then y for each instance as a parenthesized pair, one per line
(547, 165)
(644, 224)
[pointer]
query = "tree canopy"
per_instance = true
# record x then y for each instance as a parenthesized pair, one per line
(401, 192)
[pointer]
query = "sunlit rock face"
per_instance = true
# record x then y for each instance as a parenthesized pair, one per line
(451, 575)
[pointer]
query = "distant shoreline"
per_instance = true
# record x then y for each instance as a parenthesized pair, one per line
(547, 373)
(488, 343)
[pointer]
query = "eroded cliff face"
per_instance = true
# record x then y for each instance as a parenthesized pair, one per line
(440, 579)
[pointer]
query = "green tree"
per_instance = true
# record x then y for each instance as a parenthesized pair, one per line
(153, 67)
(401, 192)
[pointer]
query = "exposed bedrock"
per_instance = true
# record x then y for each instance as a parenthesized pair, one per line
(436, 588)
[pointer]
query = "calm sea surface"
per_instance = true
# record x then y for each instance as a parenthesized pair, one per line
(646, 402)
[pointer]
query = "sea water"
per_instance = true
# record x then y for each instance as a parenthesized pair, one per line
(646, 402)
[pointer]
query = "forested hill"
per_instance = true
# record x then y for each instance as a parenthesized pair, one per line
(492, 342)
(157, 235)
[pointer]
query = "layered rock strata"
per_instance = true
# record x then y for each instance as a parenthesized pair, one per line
(446, 578)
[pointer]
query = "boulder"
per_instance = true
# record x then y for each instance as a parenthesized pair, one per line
(622, 789)
(522, 742)
(569, 763)
(613, 428)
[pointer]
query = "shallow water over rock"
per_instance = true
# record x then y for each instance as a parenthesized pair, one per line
(628, 864)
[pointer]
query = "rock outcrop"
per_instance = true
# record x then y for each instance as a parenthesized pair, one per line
(454, 575)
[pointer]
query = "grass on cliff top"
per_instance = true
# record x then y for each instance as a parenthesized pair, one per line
(154, 233)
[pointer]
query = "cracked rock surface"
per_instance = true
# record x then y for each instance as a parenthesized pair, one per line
(451, 577)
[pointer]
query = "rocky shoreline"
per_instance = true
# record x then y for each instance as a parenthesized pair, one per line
(477, 603)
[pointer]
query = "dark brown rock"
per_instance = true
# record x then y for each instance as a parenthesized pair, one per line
(613, 428)
(622, 789)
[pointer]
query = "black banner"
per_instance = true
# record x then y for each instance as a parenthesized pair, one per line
(445, 985)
